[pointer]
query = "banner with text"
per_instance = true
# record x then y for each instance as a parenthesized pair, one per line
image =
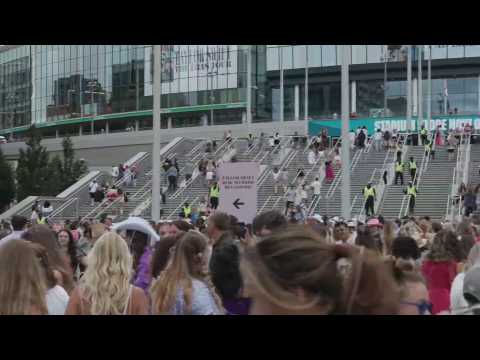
(400, 124)
(190, 68)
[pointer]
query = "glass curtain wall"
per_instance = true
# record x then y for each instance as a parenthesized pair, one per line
(15, 87)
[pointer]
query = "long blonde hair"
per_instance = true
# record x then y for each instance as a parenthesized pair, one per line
(22, 280)
(106, 282)
(181, 269)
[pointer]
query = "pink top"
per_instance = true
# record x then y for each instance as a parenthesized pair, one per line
(439, 276)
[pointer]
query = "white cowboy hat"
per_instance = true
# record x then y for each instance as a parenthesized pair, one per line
(137, 224)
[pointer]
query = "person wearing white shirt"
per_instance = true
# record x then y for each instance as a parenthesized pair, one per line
(298, 195)
(316, 186)
(276, 179)
(311, 157)
(34, 215)
(47, 208)
(92, 189)
(377, 140)
(18, 224)
(57, 300)
(352, 136)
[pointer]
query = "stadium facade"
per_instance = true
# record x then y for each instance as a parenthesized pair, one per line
(93, 89)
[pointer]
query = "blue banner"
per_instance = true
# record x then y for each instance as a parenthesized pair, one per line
(334, 127)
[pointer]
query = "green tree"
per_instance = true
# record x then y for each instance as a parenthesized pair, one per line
(72, 169)
(7, 183)
(55, 170)
(33, 171)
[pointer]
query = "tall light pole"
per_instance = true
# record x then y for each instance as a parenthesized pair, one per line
(429, 84)
(306, 90)
(249, 88)
(157, 88)
(282, 114)
(345, 130)
(409, 86)
(420, 85)
(385, 59)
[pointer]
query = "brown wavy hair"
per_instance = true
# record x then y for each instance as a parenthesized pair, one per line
(297, 259)
(22, 280)
(179, 273)
(43, 235)
(161, 253)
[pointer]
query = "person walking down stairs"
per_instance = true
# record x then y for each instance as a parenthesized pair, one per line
(412, 165)
(412, 192)
(399, 172)
(214, 195)
(370, 195)
(429, 150)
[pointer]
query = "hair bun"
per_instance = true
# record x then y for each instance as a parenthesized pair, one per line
(405, 265)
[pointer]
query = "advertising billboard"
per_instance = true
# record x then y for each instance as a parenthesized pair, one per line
(190, 68)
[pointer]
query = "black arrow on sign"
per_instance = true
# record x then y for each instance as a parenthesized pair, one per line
(237, 202)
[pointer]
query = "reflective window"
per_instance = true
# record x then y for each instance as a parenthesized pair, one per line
(329, 55)
(359, 54)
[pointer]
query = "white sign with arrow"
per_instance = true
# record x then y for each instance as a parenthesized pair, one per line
(238, 189)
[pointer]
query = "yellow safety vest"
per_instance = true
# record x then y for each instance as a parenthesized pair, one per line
(215, 192)
(423, 131)
(368, 192)
(413, 165)
(399, 167)
(412, 191)
(187, 211)
(41, 222)
(428, 147)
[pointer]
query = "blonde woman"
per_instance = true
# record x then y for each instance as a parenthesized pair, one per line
(184, 286)
(22, 280)
(105, 287)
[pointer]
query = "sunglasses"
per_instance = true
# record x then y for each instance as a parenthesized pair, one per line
(422, 306)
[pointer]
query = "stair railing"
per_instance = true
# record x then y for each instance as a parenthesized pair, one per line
(417, 179)
(59, 212)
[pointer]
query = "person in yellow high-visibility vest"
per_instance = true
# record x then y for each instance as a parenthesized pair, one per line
(41, 220)
(187, 210)
(412, 192)
(412, 165)
(429, 150)
(423, 134)
(370, 195)
(214, 195)
(399, 172)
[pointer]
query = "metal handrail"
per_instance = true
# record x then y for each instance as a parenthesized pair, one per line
(61, 208)
(192, 179)
(196, 148)
(175, 211)
(381, 186)
(268, 170)
(286, 163)
(339, 176)
(418, 176)
(314, 205)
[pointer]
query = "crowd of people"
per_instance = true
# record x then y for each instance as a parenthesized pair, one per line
(216, 265)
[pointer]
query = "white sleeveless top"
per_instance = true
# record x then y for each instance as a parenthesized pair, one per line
(57, 300)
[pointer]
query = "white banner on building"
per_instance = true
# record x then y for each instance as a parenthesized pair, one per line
(189, 68)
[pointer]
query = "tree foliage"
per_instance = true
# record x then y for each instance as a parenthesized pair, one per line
(7, 183)
(55, 170)
(33, 171)
(72, 169)
(38, 176)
